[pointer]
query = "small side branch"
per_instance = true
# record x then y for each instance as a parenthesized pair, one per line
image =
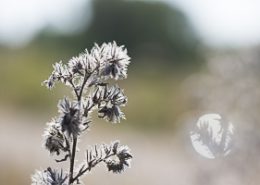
(91, 164)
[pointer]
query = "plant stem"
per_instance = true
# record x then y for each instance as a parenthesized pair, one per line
(74, 146)
(75, 138)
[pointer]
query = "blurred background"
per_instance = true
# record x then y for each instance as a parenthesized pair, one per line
(189, 57)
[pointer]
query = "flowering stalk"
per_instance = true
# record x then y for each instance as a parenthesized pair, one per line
(87, 75)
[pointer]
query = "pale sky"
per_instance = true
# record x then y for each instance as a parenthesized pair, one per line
(218, 22)
(224, 22)
(21, 20)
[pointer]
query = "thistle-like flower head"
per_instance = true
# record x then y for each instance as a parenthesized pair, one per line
(69, 118)
(113, 59)
(49, 177)
(122, 159)
(109, 100)
(54, 138)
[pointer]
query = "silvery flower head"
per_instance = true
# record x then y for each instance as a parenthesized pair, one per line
(77, 64)
(114, 60)
(60, 73)
(82, 63)
(54, 139)
(111, 113)
(116, 96)
(49, 177)
(109, 100)
(122, 160)
(69, 118)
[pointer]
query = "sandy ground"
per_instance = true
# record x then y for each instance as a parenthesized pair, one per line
(158, 158)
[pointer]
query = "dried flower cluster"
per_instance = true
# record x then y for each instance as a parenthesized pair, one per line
(50, 177)
(87, 75)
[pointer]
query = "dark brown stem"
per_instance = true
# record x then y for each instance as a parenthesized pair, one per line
(75, 89)
(82, 87)
(75, 139)
(74, 146)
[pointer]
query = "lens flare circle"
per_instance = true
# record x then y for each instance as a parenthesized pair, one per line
(212, 137)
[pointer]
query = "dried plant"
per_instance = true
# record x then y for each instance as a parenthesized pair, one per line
(88, 75)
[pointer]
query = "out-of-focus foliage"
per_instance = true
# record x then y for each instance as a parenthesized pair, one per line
(150, 30)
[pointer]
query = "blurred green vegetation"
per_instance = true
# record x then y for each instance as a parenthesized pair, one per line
(160, 40)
